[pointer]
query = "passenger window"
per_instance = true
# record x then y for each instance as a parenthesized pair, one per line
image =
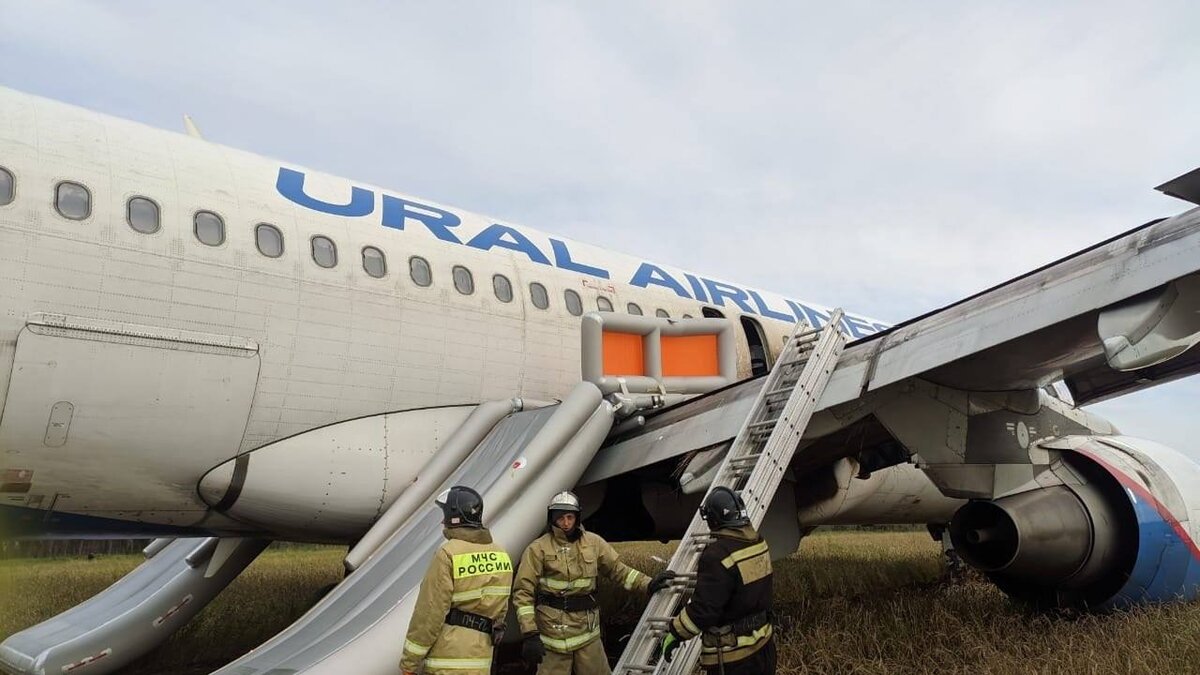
(604, 304)
(374, 262)
(419, 270)
(574, 302)
(463, 281)
(142, 215)
(6, 187)
(662, 314)
(632, 308)
(73, 201)
(503, 288)
(539, 296)
(209, 228)
(324, 251)
(269, 240)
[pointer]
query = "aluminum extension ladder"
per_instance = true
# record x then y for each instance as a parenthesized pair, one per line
(753, 467)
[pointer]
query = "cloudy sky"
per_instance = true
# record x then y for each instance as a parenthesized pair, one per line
(889, 161)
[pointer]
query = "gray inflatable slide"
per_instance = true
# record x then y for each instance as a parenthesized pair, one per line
(516, 458)
(522, 462)
(134, 615)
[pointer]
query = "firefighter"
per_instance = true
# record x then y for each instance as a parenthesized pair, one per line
(463, 600)
(729, 608)
(554, 595)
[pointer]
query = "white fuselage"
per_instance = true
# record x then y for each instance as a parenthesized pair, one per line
(132, 362)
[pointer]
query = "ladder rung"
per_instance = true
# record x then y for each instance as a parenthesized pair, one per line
(753, 463)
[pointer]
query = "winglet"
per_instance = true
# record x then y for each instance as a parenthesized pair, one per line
(191, 128)
(1185, 187)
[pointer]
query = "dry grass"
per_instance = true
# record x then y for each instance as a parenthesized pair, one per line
(274, 591)
(849, 602)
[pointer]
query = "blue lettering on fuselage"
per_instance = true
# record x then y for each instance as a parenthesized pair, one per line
(562, 259)
(647, 275)
(494, 235)
(719, 291)
(290, 184)
(396, 212)
(437, 221)
(766, 311)
(697, 287)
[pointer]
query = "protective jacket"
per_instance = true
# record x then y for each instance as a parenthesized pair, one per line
(463, 597)
(729, 608)
(555, 586)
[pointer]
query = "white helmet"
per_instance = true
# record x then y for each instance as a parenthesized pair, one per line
(564, 501)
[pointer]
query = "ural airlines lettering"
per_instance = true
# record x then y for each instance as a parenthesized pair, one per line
(397, 213)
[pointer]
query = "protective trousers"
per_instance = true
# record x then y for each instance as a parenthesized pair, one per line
(589, 659)
(761, 662)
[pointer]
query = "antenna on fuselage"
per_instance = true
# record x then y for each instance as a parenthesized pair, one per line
(190, 127)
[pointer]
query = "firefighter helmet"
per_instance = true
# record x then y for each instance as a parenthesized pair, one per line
(461, 507)
(724, 508)
(564, 501)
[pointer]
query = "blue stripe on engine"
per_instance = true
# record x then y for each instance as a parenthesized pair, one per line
(1165, 570)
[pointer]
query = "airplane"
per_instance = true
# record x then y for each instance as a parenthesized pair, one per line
(204, 345)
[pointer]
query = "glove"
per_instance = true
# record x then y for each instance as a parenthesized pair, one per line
(666, 649)
(532, 650)
(660, 581)
(498, 634)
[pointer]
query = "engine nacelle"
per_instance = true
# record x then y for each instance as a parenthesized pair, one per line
(1115, 533)
(329, 484)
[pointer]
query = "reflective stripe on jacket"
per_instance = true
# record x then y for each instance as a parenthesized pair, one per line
(469, 573)
(733, 582)
(553, 565)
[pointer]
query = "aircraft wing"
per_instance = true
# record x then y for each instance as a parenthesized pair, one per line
(1068, 320)
(1114, 318)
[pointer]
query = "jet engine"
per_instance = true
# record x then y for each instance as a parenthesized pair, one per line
(1115, 532)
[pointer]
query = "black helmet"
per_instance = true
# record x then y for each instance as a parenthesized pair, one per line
(461, 507)
(723, 508)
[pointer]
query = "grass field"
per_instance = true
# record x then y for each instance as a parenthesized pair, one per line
(849, 602)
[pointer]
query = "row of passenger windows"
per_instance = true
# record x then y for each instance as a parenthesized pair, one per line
(74, 202)
(464, 283)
